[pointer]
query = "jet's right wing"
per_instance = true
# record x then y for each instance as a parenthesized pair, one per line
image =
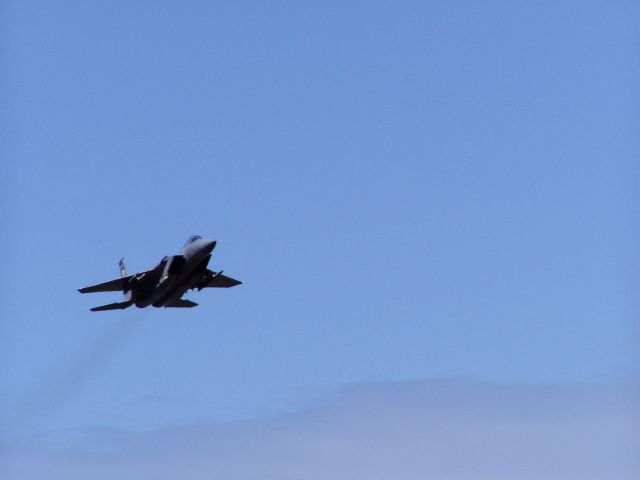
(117, 285)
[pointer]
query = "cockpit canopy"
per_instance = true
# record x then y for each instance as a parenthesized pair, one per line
(192, 239)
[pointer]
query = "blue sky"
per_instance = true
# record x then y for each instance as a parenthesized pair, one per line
(409, 190)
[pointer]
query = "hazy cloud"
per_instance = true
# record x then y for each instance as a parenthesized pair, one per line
(410, 430)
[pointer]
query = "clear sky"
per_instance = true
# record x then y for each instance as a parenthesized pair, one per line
(418, 195)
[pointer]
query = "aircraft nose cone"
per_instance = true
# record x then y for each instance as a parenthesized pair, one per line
(211, 244)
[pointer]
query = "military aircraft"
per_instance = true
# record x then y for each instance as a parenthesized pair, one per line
(164, 285)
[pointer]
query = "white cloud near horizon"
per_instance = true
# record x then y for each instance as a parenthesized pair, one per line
(430, 429)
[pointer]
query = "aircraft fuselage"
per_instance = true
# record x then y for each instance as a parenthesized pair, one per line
(176, 275)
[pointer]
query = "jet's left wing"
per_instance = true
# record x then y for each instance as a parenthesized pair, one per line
(117, 285)
(218, 280)
(113, 306)
(182, 303)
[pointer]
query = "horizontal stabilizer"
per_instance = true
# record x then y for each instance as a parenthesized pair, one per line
(182, 303)
(117, 285)
(219, 280)
(112, 306)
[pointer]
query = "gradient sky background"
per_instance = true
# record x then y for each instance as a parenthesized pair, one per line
(420, 196)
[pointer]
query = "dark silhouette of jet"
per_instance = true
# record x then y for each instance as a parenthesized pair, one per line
(164, 285)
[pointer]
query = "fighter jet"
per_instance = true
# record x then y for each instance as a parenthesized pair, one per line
(164, 285)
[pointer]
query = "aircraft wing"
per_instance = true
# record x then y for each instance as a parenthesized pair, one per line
(218, 280)
(182, 303)
(117, 285)
(113, 306)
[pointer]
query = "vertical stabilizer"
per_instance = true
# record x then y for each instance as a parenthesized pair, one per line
(123, 269)
(123, 273)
